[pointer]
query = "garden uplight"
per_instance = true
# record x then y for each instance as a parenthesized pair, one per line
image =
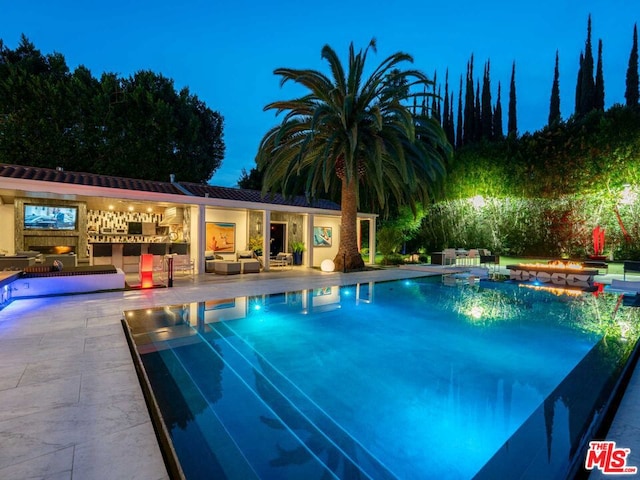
(478, 201)
(628, 195)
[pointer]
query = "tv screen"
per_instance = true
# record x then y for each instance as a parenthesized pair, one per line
(134, 228)
(50, 217)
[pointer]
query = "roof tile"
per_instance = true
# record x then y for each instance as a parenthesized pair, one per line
(195, 189)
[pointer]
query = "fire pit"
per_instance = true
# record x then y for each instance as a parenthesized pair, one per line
(558, 272)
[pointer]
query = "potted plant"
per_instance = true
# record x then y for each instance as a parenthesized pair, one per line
(255, 244)
(297, 248)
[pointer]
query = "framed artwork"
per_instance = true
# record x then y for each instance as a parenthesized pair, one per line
(220, 304)
(321, 292)
(322, 236)
(220, 237)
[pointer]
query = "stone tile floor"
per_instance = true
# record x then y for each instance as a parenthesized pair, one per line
(71, 404)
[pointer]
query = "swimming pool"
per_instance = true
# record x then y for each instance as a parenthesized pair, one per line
(403, 379)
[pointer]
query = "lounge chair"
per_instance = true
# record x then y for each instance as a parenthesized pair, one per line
(624, 287)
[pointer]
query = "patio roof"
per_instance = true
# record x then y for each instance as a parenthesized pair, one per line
(243, 195)
(183, 189)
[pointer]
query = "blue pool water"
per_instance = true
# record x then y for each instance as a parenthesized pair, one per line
(406, 379)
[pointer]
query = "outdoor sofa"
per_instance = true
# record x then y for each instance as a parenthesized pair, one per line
(244, 262)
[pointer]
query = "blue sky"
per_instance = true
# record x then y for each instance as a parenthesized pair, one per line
(225, 52)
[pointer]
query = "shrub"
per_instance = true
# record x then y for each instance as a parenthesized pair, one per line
(393, 259)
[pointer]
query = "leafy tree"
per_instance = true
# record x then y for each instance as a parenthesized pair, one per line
(251, 180)
(512, 124)
(598, 101)
(554, 107)
(138, 127)
(632, 92)
(350, 133)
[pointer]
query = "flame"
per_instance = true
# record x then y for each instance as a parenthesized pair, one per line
(554, 290)
(556, 265)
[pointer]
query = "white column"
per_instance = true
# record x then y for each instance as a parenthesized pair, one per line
(266, 239)
(201, 240)
(372, 241)
(308, 239)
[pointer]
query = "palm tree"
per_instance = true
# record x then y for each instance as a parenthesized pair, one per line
(354, 136)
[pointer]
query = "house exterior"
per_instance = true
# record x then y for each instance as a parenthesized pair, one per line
(105, 219)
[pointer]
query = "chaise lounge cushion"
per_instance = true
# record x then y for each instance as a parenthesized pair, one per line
(224, 267)
(250, 265)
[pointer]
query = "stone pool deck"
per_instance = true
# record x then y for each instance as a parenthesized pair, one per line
(71, 404)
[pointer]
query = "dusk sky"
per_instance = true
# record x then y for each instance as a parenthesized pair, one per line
(225, 52)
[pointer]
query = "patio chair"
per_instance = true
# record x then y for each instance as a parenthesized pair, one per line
(286, 257)
(473, 257)
(183, 264)
(449, 257)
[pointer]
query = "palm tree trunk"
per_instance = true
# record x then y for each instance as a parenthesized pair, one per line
(348, 256)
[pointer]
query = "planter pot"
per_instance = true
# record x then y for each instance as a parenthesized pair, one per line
(297, 258)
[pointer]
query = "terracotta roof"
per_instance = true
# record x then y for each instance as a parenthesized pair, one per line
(180, 188)
(89, 179)
(242, 195)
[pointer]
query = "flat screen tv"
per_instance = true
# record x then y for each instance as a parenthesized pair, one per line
(50, 217)
(134, 228)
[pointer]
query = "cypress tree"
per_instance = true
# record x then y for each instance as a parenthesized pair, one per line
(486, 113)
(631, 93)
(459, 134)
(497, 118)
(598, 99)
(579, 86)
(446, 119)
(512, 123)
(434, 99)
(477, 119)
(451, 133)
(587, 87)
(554, 107)
(469, 121)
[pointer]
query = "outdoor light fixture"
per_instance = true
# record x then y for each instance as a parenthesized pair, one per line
(478, 201)
(294, 228)
(259, 226)
(628, 195)
(327, 265)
